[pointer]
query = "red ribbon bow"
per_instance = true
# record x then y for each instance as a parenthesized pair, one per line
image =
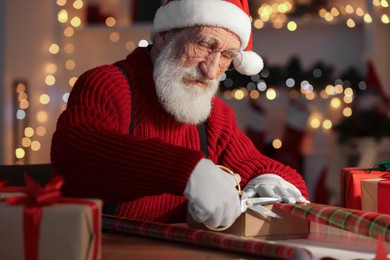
(36, 195)
(34, 199)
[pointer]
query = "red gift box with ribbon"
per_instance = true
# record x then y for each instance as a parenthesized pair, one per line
(41, 224)
(350, 188)
(375, 193)
(351, 182)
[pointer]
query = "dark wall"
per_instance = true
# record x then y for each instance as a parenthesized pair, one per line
(2, 58)
(144, 10)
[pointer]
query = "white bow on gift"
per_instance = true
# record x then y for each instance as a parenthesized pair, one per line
(255, 204)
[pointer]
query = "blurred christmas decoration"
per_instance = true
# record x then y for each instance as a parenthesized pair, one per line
(277, 13)
(22, 133)
(331, 100)
(370, 112)
(309, 106)
(368, 118)
(289, 13)
(292, 76)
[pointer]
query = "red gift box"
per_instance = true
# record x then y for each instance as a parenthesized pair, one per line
(350, 188)
(375, 194)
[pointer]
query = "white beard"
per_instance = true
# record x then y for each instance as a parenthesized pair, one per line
(188, 104)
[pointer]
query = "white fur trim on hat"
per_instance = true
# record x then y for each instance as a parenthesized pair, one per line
(187, 13)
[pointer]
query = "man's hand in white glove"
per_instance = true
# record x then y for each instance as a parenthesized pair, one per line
(272, 185)
(212, 196)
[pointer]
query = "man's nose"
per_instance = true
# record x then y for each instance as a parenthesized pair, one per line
(210, 66)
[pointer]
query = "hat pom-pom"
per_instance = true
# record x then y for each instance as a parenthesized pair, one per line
(251, 63)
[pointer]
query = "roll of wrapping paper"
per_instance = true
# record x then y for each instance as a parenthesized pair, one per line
(202, 238)
(361, 222)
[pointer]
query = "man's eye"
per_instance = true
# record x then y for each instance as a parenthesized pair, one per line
(204, 45)
(229, 54)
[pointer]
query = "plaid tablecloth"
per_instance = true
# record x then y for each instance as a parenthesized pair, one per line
(357, 221)
(183, 234)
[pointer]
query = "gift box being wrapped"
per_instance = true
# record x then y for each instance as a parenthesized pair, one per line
(272, 223)
(375, 193)
(43, 225)
(252, 224)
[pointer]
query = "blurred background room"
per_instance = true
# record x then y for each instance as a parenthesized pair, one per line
(321, 102)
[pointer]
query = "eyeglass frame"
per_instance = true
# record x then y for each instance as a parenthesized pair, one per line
(207, 45)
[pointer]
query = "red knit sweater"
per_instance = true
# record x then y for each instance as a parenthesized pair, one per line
(146, 172)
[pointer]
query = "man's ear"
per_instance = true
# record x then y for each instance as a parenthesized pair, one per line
(161, 39)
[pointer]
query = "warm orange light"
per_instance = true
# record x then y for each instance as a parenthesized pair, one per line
(110, 21)
(270, 94)
(44, 99)
(114, 37)
(277, 143)
(54, 48)
(239, 94)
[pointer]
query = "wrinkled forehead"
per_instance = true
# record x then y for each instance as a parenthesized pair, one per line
(220, 35)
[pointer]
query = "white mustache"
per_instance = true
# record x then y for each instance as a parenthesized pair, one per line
(196, 75)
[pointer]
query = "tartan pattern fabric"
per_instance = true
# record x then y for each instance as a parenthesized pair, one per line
(346, 239)
(361, 222)
(215, 240)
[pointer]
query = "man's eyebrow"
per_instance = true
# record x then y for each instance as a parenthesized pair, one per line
(208, 38)
(214, 41)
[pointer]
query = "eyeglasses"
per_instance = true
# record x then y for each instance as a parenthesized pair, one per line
(204, 47)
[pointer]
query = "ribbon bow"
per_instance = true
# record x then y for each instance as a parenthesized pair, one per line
(35, 195)
(34, 199)
(381, 166)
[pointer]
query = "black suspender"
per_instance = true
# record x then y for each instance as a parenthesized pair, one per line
(203, 139)
(126, 74)
(111, 207)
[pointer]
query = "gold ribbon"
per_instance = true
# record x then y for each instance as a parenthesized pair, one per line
(222, 228)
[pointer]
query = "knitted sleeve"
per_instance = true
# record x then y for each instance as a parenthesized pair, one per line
(92, 150)
(233, 149)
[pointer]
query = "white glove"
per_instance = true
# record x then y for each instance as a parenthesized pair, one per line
(272, 185)
(212, 196)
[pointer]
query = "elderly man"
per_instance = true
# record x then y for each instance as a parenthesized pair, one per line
(146, 134)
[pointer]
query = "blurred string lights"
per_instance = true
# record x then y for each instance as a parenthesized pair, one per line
(287, 14)
(62, 63)
(27, 138)
(280, 14)
(337, 95)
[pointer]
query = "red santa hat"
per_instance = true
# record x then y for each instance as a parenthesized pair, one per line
(232, 15)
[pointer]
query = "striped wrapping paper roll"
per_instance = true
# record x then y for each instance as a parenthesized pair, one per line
(183, 234)
(357, 221)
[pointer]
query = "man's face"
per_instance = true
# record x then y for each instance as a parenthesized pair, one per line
(210, 49)
(188, 70)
